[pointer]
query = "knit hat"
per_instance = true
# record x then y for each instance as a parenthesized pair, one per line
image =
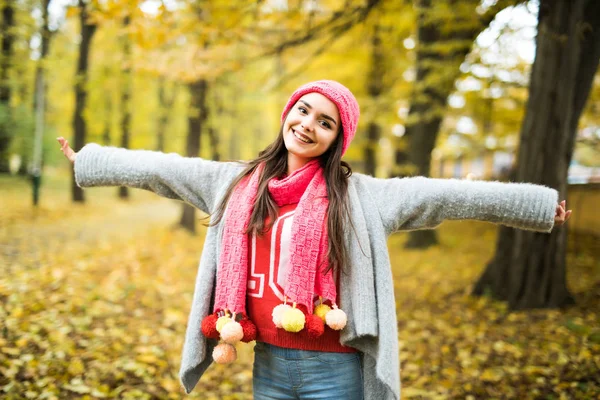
(343, 99)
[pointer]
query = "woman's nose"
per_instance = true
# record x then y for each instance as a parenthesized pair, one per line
(308, 123)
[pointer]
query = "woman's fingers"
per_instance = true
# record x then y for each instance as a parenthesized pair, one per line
(562, 215)
(64, 147)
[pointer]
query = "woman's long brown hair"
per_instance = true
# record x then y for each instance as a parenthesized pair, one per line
(336, 174)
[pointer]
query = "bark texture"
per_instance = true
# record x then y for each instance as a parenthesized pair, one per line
(79, 125)
(528, 269)
(196, 119)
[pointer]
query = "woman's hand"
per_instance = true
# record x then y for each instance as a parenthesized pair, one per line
(67, 151)
(561, 215)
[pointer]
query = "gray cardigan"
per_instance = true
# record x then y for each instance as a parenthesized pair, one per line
(378, 207)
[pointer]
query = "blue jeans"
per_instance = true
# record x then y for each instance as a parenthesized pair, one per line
(281, 373)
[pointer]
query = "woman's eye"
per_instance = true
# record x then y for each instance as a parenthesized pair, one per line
(326, 124)
(302, 110)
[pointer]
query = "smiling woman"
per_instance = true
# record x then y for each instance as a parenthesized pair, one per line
(295, 237)
(310, 128)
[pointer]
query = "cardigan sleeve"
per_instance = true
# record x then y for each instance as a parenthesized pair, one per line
(193, 180)
(422, 203)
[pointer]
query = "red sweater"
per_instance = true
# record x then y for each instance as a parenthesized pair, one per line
(268, 259)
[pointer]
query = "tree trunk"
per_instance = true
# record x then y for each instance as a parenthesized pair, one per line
(197, 117)
(8, 23)
(426, 110)
(108, 116)
(126, 98)
(528, 269)
(166, 107)
(436, 72)
(232, 103)
(108, 110)
(375, 88)
(163, 116)
(214, 132)
(214, 143)
(40, 105)
(79, 125)
(373, 135)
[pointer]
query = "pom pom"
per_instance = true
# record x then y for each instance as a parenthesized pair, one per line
(321, 310)
(232, 332)
(293, 320)
(336, 319)
(277, 314)
(314, 326)
(209, 327)
(222, 321)
(249, 330)
(224, 353)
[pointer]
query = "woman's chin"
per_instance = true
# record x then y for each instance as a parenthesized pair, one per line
(296, 149)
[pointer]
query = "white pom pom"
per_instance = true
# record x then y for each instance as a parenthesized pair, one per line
(232, 332)
(336, 319)
(278, 314)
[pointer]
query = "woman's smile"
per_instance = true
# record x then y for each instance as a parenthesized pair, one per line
(302, 137)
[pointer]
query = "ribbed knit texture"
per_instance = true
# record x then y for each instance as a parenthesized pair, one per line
(342, 97)
(377, 207)
(308, 248)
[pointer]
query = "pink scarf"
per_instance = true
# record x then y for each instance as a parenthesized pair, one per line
(309, 241)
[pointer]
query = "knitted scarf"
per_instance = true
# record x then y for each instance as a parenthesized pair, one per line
(308, 247)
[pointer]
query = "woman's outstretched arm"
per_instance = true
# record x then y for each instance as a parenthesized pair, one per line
(422, 203)
(193, 180)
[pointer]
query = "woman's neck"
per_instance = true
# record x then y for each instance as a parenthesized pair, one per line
(294, 163)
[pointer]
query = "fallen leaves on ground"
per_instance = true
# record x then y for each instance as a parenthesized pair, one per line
(94, 300)
(457, 346)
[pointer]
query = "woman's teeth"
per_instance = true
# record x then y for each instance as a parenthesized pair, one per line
(301, 138)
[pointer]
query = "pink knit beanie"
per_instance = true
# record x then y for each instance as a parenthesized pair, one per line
(343, 99)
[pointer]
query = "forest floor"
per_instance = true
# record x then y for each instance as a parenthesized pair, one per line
(94, 301)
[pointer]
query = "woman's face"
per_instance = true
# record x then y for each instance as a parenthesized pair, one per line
(310, 127)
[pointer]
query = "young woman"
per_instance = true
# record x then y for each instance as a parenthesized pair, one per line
(295, 238)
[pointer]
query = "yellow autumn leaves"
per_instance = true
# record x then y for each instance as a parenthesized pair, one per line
(456, 346)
